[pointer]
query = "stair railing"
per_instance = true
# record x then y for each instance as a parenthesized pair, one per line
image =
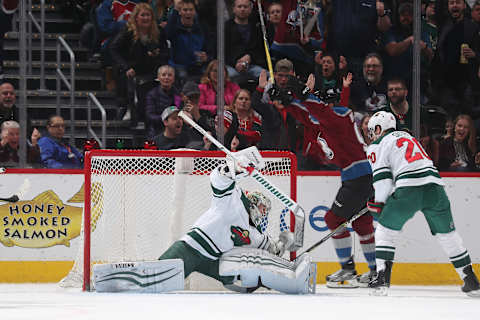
(41, 29)
(61, 43)
(103, 140)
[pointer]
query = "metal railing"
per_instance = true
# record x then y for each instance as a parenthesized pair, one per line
(103, 140)
(40, 28)
(69, 84)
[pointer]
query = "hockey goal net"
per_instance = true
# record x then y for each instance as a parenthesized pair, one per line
(138, 202)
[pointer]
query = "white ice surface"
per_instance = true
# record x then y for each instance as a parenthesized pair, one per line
(47, 301)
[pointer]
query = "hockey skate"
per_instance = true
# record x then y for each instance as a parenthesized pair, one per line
(364, 278)
(471, 286)
(381, 282)
(343, 278)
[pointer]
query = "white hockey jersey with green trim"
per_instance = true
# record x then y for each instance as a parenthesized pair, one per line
(398, 160)
(226, 223)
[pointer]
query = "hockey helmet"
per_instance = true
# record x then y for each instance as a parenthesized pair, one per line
(383, 119)
(260, 206)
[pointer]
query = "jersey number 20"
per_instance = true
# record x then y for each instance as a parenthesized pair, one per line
(410, 156)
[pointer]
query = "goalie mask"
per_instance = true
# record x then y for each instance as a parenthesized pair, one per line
(384, 120)
(260, 206)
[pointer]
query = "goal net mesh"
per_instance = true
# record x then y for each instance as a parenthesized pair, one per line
(140, 202)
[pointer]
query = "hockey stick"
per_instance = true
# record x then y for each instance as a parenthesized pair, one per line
(265, 42)
(328, 236)
(254, 173)
(20, 193)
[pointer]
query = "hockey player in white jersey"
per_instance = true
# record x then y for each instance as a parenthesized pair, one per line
(226, 242)
(406, 181)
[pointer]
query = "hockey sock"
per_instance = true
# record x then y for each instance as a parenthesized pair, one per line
(363, 226)
(342, 239)
(385, 245)
(453, 246)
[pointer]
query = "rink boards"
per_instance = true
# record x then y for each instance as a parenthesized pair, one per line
(39, 239)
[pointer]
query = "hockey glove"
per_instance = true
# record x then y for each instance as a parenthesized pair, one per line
(375, 207)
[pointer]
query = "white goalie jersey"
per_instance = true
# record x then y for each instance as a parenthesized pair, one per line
(398, 160)
(226, 223)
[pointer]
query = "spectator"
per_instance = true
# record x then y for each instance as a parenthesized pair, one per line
(9, 144)
(250, 122)
(112, 16)
(456, 62)
(244, 49)
(399, 47)
(429, 143)
(208, 88)
(430, 24)
(191, 49)
(190, 98)
(175, 135)
(327, 74)
(159, 98)
(7, 9)
(137, 51)
(56, 153)
(300, 33)
(8, 110)
(364, 128)
(274, 18)
(476, 12)
(457, 153)
(398, 105)
(448, 129)
(279, 127)
(370, 92)
(353, 29)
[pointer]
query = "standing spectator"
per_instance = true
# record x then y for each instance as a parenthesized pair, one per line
(274, 18)
(300, 33)
(370, 92)
(399, 46)
(9, 144)
(191, 48)
(244, 49)
(364, 128)
(112, 16)
(137, 51)
(398, 105)
(353, 30)
(476, 12)
(457, 153)
(250, 122)
(327, 74)
(7, 9)
(56, 153)
(159, 98)
(208, 88)
(456, 62)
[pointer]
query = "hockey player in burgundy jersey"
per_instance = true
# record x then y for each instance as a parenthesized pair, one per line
(338, 138)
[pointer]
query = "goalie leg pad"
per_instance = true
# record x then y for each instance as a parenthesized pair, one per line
(255, 266)
(142, 277)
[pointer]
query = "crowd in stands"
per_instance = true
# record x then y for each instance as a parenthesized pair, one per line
(355, 53)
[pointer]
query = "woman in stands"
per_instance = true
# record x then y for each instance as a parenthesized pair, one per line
(138, 51)
(457, 152)
(249, 121)
(208, 88)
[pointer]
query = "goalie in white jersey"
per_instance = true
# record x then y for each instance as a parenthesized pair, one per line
(406, 181)
(227, 244)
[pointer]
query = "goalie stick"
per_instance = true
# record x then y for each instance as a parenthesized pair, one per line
(20, 193)
(298, 212)
(328, 236)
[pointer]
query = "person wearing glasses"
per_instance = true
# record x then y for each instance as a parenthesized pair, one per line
(55, 153)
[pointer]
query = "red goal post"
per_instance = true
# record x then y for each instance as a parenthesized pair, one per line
(138, 202)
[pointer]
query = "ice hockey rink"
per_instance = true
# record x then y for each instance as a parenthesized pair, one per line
(48, 301)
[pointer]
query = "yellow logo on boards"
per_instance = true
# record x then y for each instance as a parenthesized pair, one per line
(46, 221)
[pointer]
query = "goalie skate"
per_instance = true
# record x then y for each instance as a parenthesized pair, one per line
(471, 287)
(343, 278)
